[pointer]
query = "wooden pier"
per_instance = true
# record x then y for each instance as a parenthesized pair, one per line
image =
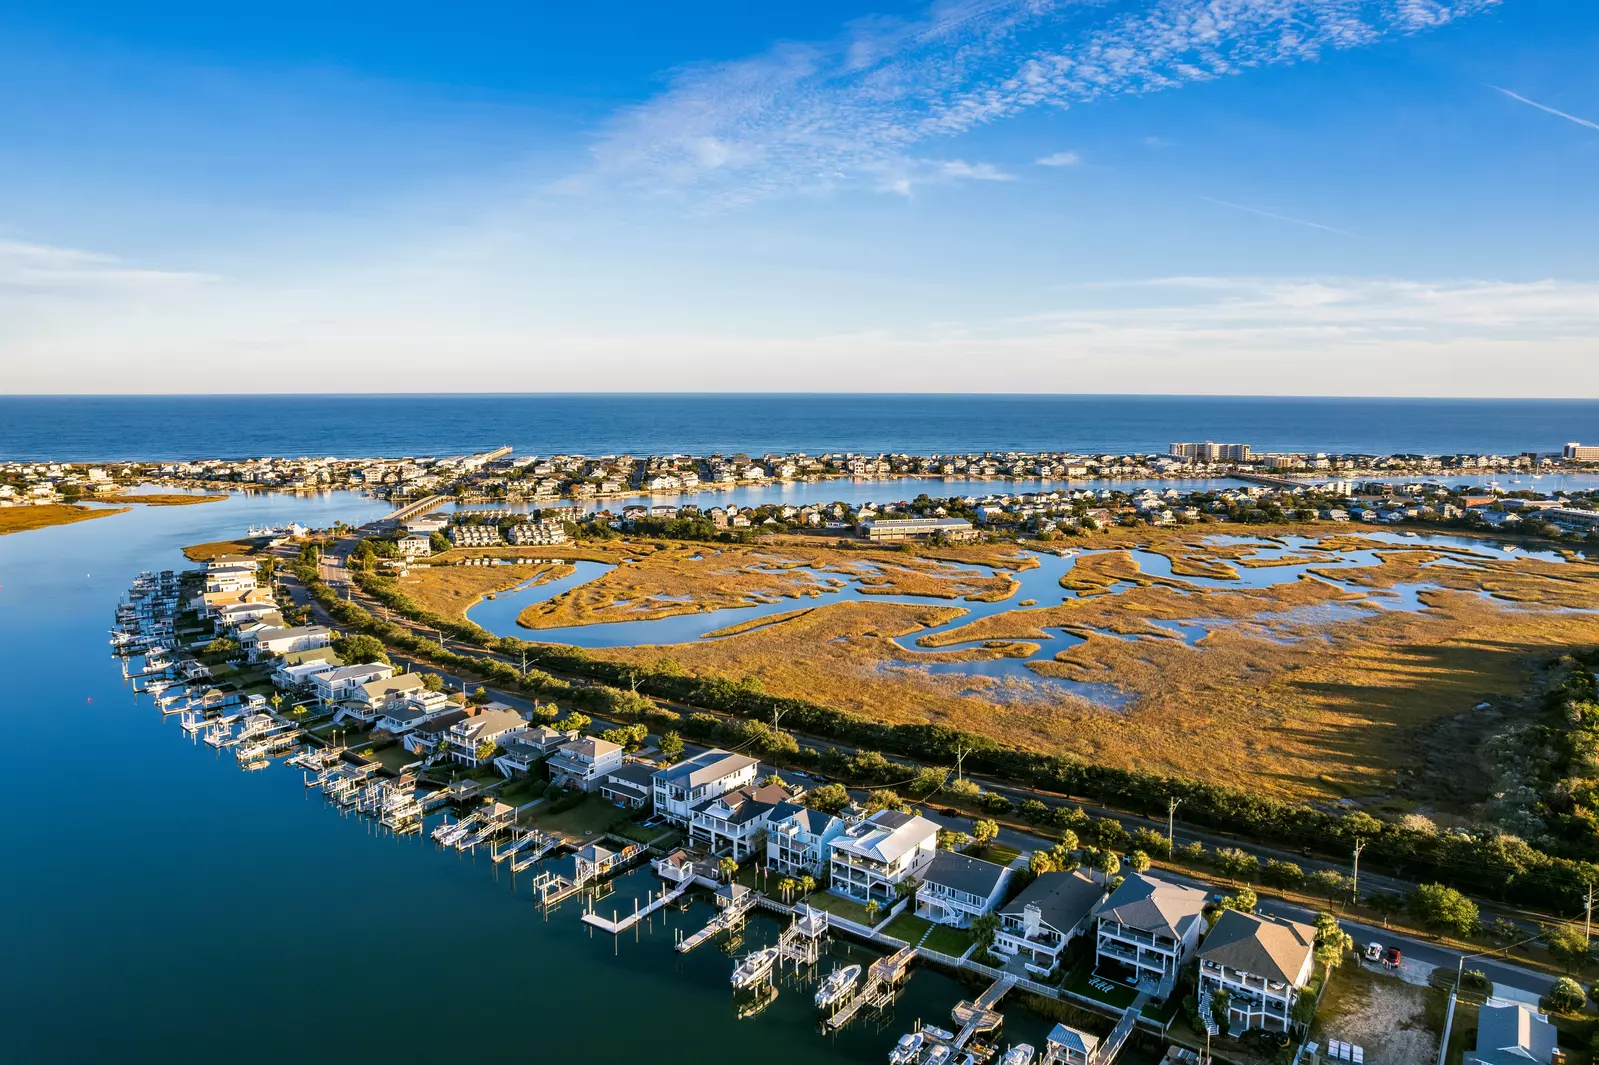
(882, 979)
(617, 927)
(734, 910)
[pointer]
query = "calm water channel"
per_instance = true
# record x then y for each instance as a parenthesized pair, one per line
(161, 905)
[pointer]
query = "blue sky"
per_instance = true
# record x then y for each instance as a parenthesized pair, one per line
(1379, 197)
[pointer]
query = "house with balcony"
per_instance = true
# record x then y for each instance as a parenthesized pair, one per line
(735, 820)
(957, 887)
(1262, 963)
(464, 738)
(681, 787)
(630, 787)
(426, 738)
(797, 838)
(1146, 930)
(334, 686)
(1513, 1034)
(1066, 1045)
(295, 669)
(528, 748)
(368, 702)
(1037, 924)
(873, 857)
(261, 643)
(584, 762)
(411, 709)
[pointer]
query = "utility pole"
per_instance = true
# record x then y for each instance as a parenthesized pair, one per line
(1171, 825)
(961, 751)
(1587, 915)
(1360, 845)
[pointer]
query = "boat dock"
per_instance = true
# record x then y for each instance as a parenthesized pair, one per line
(736, 905)
(882, 980)
(657, 902)
(980, 1016)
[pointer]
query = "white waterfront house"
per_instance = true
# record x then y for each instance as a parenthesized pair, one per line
(1147, 929)
(1261, 963)
(870, 859)
(272, 641)
(336, 685)
(797, 839)
(957, 887)
(681, 787)
(369, 701)
(414, 708)
(1038, 924)
(584, 762)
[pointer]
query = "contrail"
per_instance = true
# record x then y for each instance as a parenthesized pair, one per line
(1548, 110)
(1279, 217)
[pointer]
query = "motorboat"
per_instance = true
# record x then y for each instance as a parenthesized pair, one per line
(1020, 1054)
(907, 1050)
(837, 986)
(939, 1055)
(754, 967)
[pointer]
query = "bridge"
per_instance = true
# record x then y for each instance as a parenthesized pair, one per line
(419, 507)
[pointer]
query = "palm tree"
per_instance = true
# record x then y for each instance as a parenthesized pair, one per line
(872, 908)
(729, 868)
(786, 887)
(807, 884)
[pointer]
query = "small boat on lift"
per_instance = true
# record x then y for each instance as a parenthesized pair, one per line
(837, 986)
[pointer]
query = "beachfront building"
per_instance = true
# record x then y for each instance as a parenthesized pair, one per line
(681, 787)
(1513, 1034)
(1261, 962)
(1146, 930)
(734, 820)
(957, 887)
(1038, 924)
(797, 839)
(474, 536)
(873, 857)
(887, 530)
(584, 762)
(464, 738)
(536, 533)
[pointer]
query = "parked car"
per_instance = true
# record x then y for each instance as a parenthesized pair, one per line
(1373, 951)
(1391, 959)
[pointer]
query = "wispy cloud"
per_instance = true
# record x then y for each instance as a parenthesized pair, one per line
(812, 116)
(1278, 217)
(1059, 159)
(45, 268)
(1546, 109)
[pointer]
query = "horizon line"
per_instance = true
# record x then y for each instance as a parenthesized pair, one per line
(1263, 396)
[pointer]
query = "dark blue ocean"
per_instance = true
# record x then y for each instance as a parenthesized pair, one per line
(183, 427)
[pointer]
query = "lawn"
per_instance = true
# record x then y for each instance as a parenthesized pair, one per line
(588, 818)
(839, 906)
(216, 548)
(908, 927)
(998, 853)
(947, 940)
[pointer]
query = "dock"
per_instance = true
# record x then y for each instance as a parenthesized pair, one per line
(980, 1016)
(657, 902)
(882, 979)
(736, 905)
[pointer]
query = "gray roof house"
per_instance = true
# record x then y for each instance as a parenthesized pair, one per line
(1261, 962)
(1512, 1035)
(681, 787)
(1147, 929)
(1038, 923)
(957, 887)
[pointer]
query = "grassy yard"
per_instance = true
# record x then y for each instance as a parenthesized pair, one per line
(839, 906)
(998, 853)
(216, 548)
(909, 927)
(947, 940)
(588, 818)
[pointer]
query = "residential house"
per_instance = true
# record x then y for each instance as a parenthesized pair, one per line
(1261, 962)
(630, 786)
(413, 545)
(735, 820)
(264, 642)
(681, 787)
(463, 739)
(584, 762)
(1147, 929)
(1038, 924)
(368, 702)
(797, 838)
(474, 536)
(527, 749)
(336, 685)
(957, 887)
(295, 668)
(414, 709)
(426, 737)
(873, 857)
(1513, 1034)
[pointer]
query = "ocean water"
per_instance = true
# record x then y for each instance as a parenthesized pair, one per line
(180, 427)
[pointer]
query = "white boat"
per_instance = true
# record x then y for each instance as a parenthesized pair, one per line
(1020, 1054)
(753, 969)
(938, 1033)
(838, 984)
(907, 1050)
(939, 1055)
